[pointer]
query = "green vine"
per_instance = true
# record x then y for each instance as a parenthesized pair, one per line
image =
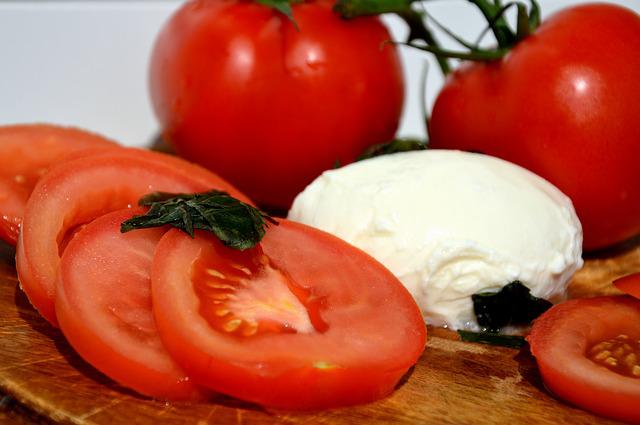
(422, 37)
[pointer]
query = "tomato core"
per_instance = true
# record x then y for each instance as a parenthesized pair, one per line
(620, 354)
(244, 294)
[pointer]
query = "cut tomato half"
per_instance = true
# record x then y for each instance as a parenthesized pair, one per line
(302, 321)
(588, 352)
(77, 191)
(26, 152)
(629, 284)
(103, 306)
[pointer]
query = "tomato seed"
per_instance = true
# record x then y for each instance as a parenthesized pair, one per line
(242, 269)
(215, 273)
(222, 312)
(619, 354)
(232, 325)
(250, 329)
(216, 285)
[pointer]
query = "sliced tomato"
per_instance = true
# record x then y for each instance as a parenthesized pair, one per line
(77, 191)
(103, 306)
(588, 352)
(302, 321)
(26, 152)
(629, 284)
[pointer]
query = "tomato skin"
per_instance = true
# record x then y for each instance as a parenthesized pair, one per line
(77, 191)
(375, 330)
(26, 152)
(103, 306)
(629, 284)
(238, 89)
(563, 103)
(561, 336)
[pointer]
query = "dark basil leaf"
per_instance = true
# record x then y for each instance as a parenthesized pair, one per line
(236, 224)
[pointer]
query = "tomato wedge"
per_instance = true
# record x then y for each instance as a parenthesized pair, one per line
(629, 284)
(77, 191)
(103, 306)
(302, 321)
(26, 152)
(588, 352)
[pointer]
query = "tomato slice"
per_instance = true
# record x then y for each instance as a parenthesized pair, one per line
(103, 306)
(302, 321)
(588, 352)
(26, 152)
(629, 284)
(77, 191)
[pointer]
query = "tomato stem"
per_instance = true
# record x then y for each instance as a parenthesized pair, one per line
(350, 9)
(528, 19)
(494, 14)
(419, 31)
(474, 55)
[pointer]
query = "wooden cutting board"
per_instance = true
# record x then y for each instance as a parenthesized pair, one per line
(453, 383)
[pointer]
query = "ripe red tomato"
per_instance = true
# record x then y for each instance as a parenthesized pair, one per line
(77, 191)
(588, 352)
(26, 152)
(302, 321)
(103, 305)
(564, 104)
(629, 284)
(239, 89)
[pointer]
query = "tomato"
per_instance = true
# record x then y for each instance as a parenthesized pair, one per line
(588, 352)
(240, 90)
(77, 191)
(26, 152)
(103, 305)
(629, 284)
(564, 104)
(302, 321)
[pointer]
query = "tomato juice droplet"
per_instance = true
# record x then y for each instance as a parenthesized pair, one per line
(242, 293)
(620, 354)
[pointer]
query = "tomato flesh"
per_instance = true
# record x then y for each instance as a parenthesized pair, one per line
(26, 152)
(243, 294)
(103, 306)
(629, 284)
(77, 191)
(580, 349)
(303, 321)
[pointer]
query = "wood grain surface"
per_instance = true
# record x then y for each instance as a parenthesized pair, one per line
(453, 383)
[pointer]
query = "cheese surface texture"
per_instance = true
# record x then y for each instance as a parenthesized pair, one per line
(450, 224)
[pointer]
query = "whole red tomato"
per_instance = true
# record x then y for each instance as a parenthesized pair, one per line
(238, 88)
(564, 103)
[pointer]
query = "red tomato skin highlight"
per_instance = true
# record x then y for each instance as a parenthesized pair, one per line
(78, 191)
(278, 371)
(236, 80)
(97, 252)
(629, 284)
(26, 152)
(559, 340)
(563, 103)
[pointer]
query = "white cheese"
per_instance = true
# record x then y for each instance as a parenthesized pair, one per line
(450, 224)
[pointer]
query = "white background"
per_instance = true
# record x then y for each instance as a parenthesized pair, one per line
(84, 63)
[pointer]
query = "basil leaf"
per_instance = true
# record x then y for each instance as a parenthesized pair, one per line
(511, 341)
(237, 225)
(394, 146)
(512, 305)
